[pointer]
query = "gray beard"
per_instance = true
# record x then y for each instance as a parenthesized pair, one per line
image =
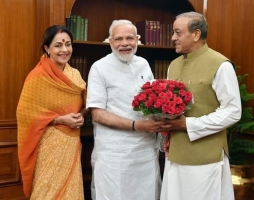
(125, 57)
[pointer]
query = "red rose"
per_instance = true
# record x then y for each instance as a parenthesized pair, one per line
(146, 86)
(142, 97)
(168, 97)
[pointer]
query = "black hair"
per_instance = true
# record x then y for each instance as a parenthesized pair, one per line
(50, 33)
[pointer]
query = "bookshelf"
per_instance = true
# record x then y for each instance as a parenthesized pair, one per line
(100, 14)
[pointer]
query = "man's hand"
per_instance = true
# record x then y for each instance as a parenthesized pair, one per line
(174, 124)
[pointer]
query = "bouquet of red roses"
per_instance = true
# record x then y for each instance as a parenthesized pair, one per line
(163, 99)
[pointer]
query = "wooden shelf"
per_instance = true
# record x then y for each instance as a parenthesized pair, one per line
(107, 44)
(96, 50)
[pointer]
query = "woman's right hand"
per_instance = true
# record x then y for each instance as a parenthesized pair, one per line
(71, 120)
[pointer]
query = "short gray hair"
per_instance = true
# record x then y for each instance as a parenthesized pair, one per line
(197, 21)
(120, 22)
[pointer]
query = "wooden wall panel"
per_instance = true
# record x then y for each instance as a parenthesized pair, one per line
(17, 37)
(9, 170)
(59, 10)
(17, 58)
(10, 177)
(68, 7)
(42, 21)
(231, 30)
(198, 5)
(17, 41)
(9, 166)
(12, 193)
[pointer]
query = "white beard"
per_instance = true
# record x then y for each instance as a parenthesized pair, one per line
(124, 57)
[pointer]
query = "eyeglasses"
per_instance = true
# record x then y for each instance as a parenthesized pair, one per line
(121, 39)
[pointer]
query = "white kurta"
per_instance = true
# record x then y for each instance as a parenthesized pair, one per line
(212, 181)
(125, 162)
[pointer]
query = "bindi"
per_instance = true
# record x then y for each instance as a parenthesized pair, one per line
(63, 40)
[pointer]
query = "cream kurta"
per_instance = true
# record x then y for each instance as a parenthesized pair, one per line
(212, 181)
(126, 162)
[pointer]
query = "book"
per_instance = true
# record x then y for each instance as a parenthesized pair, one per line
(157, 33)
(85, 29)
(156, 69)
(85, 69)
(72, 61)
(73, 25)
(82, 29)
(171, 43)
(78, 27)
(143, 29)
(164, 34)
(168, 35)
(161, 36)
(164, 69)
(79, 64)
(161, 69)
(68, 22)
(161, 62)
(152, 33)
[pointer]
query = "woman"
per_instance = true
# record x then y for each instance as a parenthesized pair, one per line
(49, 114)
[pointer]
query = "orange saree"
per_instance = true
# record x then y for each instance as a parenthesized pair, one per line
(50, 154)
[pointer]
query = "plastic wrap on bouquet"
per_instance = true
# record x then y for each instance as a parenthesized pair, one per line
(164, 142)
(163, 138)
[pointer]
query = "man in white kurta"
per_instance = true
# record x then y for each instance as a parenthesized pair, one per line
(125, 156)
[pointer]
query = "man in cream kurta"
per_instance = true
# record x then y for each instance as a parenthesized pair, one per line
(198, 167)
(125, 155)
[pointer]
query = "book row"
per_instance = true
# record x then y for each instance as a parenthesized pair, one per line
(78, 26)
(80, 63)
(155, 33)
(161, 69)
(152, 33)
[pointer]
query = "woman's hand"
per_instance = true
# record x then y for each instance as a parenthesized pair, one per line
(71, 120)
